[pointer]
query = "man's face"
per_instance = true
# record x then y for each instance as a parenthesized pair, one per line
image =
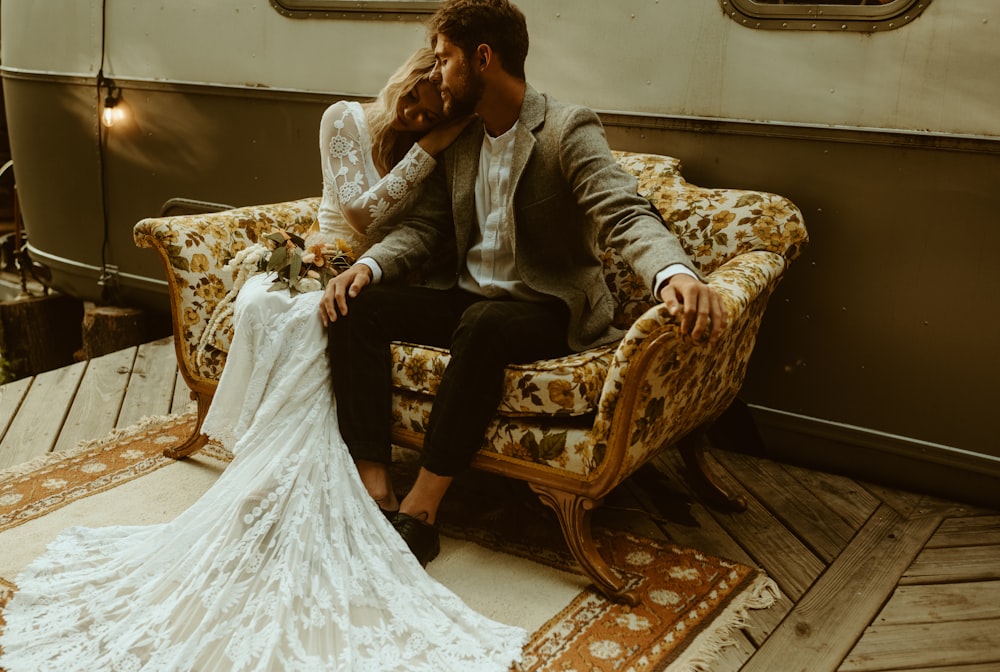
(461, 85)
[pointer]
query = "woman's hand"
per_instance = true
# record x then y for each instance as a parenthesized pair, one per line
(442, 135)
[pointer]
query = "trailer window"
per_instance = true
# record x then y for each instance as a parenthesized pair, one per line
(355, 9)
(863, 15)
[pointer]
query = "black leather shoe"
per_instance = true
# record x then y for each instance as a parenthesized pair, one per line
(420, 536)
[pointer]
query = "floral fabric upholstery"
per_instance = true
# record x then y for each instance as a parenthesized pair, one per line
(609, 408)
(563, 387)
(194, 249)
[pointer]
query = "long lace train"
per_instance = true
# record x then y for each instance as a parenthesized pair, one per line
(284, 564)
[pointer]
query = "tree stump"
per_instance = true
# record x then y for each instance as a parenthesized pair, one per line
(108, 329)
(39, 333)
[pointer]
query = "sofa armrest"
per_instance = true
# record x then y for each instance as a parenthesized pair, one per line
(661, 386)
(714, 225)
(194, 249)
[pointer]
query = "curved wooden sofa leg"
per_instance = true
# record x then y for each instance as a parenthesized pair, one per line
(693, 447)
(197, 439)
(574, 514)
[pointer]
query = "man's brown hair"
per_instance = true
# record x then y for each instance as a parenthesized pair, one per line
(498, 23)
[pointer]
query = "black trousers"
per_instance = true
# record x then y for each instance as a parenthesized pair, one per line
(483, 335)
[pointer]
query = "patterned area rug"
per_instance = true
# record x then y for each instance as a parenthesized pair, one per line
(690, 602)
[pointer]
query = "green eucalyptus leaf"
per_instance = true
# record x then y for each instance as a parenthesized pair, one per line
(279, 259)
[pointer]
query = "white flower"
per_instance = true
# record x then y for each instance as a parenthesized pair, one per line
(341, 147)
(248, 256)
(308, 285)
(396, 187)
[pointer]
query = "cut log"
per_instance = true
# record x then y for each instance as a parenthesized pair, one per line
(39, 333)
(107, 329)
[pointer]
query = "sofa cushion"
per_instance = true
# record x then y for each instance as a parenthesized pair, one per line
(564, 387)
(560, 443)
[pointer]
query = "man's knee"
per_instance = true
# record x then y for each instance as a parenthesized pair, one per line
(482, 323)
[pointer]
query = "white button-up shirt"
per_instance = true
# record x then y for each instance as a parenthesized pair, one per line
(489, 263)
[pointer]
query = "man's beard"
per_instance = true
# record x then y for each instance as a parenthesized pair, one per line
(463, 99)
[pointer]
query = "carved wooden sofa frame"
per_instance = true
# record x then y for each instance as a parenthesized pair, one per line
(572, 428)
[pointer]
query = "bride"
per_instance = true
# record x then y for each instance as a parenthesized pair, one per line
(285, 563)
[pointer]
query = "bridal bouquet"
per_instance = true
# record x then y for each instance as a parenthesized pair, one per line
(301, 268)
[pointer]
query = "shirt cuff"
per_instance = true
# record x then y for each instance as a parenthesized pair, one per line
(663, 277)
(375, 268)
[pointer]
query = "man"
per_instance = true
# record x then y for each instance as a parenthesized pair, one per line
(523, 198)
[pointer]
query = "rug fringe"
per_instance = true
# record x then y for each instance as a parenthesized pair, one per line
(704, 650)
(142, 425)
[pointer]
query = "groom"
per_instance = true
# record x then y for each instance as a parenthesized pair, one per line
(524, 198)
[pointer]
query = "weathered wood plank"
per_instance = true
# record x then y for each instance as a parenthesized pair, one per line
(824, 625)
(816, 524)
(844, 496)
(942, 602)
(181, 401)
(984, 667)
(622, 511)
(11, 396)
(895, 647)
(99, 400)
(39, 420)
(912, 504)
(151, 386)
(967, 531)
(955, 563)
(663, 489)
(772, 546)
(690, 523)
(734, 655)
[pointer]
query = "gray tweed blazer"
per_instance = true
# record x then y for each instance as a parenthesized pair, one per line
(569, 199)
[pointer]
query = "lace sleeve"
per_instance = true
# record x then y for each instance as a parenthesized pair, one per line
(348, 169)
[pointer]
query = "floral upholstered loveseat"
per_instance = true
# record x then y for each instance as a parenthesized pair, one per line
(573, 428)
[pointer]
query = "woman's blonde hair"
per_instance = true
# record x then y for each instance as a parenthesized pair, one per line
(382, 111)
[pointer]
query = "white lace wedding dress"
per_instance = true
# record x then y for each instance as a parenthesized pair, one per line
(285, 564)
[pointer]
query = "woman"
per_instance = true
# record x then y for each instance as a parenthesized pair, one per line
(285, 563)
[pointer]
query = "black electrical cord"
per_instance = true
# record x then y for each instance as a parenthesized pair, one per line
(107, 281)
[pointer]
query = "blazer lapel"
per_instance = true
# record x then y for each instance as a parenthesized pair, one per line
(532, 115)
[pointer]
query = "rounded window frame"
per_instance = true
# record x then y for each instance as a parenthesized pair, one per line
(824, 16)
(378, 10)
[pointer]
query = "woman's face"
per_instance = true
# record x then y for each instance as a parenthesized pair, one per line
(419, 110)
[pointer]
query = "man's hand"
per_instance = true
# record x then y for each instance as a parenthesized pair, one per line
(699, 306)
(340, 288)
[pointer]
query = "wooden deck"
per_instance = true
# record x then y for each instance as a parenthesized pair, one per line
(873, 578)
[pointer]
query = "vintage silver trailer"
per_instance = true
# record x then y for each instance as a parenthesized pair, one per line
(879, 118)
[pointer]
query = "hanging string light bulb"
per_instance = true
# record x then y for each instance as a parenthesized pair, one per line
(113, 111)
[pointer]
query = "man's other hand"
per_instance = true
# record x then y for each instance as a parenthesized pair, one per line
(700, 307)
